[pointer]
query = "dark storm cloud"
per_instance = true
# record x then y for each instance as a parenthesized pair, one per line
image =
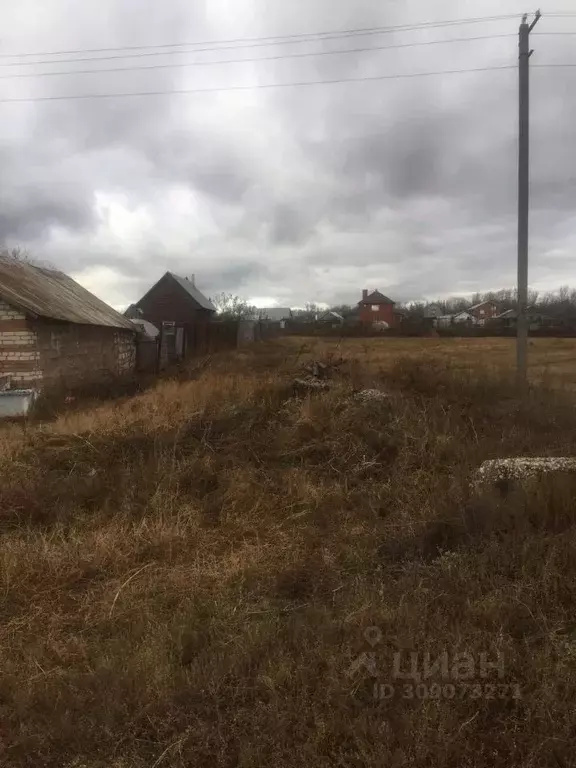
(37, 192)
(203, 160)
(28, 215)
(300, 193)
(289, 224)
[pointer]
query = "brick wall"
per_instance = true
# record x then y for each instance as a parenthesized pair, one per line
(484, 312)
(125, 346)
(44, 353)
(19, 355)
(74, 355)
(384, 313)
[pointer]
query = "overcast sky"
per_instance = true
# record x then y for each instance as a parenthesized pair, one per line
(285, 195)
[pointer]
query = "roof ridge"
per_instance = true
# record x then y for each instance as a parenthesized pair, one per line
(192, 290)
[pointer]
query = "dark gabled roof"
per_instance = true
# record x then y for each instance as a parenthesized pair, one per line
(376, 298)
(191, 289)
(48, 293)
(188, 285)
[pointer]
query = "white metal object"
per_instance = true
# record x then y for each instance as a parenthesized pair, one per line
(16, 402)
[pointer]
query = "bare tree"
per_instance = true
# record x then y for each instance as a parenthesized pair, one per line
(231, 307)
(15, 254)
(343, 309)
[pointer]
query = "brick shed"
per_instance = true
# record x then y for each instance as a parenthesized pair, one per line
(55, 333)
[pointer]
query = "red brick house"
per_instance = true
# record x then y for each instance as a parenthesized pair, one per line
(482, 312)
(376, 308)
(54, 333)
(181, 312)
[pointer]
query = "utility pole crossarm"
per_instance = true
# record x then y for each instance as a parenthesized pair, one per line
(537, 17)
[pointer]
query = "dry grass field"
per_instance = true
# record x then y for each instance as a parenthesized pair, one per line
(217, 573)
(551, 360)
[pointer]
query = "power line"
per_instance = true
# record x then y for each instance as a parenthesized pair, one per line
(277, 39)
(253, 87)
(223, 89)
(170, 53)
(305, 54)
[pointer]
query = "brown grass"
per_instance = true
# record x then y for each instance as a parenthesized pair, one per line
(187, 576)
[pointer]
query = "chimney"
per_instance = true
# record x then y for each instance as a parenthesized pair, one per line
(364, 294)
(193, 279)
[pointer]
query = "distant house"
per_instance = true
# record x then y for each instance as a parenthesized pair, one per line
(432, 311)
(400, 316)
(482, 312)
(376, 308)
(54, 333)
(460, 318)
(276, 315)
(536, 320)
(464, 317)
(180, 311)
(331, 319)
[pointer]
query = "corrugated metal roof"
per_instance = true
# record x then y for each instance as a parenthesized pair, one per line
(49, 293)
(191, 289)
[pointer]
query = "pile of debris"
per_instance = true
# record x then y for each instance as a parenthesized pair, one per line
(371, 395)
(505, 474)
(315, 375)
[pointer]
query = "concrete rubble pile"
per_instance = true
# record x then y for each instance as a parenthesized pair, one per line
(315, 375)
(371, 395)
(511, 472)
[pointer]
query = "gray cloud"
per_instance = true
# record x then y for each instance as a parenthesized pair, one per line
(298, 193)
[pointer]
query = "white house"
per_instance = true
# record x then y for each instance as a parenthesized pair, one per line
(464, 317)
(445, 321)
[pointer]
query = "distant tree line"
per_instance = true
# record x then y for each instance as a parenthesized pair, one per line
(560, 303)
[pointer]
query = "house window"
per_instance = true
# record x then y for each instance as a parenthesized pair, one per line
(375, 307)
(482, 312)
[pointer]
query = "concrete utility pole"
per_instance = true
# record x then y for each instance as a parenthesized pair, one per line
(523, 194)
